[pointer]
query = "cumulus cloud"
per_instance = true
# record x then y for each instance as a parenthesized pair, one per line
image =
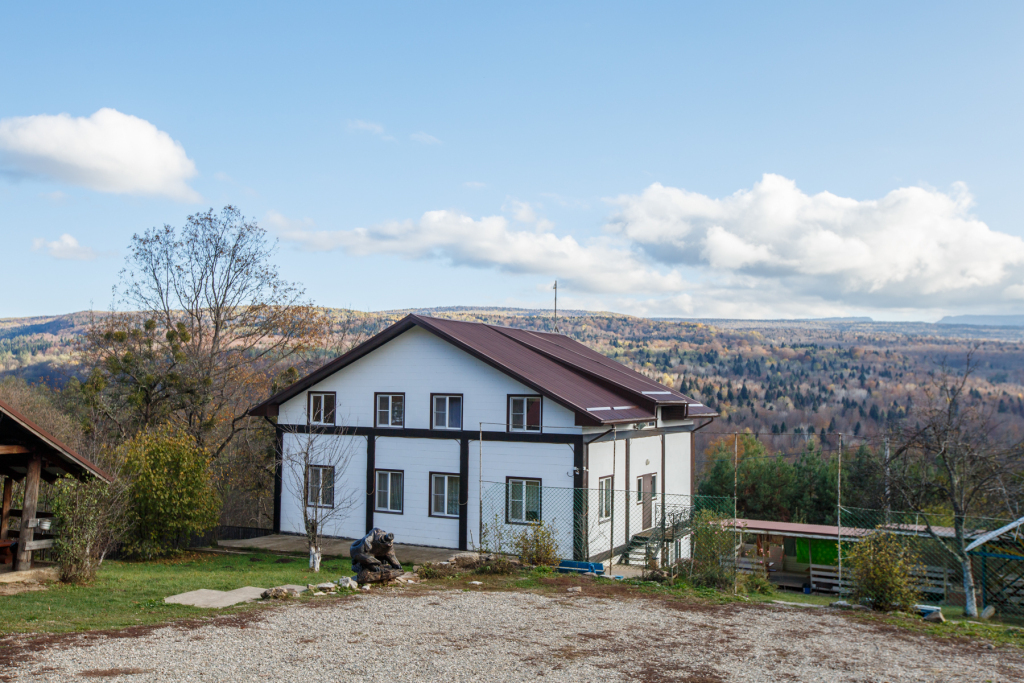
(599, 266)
(424, 138)
(65, 248)
(108, 151)
(914, 247)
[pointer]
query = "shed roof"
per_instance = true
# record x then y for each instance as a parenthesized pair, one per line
(598, 389)
(20, 437)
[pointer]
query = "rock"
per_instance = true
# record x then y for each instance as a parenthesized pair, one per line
(348, 583)
(280, 593)
(476, 583)
(409, 575)
(574, 589)
(319, 593)
(987, 613)
(365, 587)
(465, 559)
(326, 586)
(935, 617)
(840, 604)
(379, 575)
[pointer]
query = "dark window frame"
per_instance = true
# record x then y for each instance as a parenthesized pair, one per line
(309, 407)
(376, 411)
(308, 482)
(462, 411)
(508, 498)
(508, 414)
(376, 478)
(430, 493)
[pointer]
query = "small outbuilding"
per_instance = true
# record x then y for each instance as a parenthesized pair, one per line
(29, 454)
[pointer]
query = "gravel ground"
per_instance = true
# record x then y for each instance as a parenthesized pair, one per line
(488, 636)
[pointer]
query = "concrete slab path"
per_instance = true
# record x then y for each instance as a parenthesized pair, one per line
(205, 597)
(337, 547)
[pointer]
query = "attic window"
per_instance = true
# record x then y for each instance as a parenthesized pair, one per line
(524, 413)
(322, 408)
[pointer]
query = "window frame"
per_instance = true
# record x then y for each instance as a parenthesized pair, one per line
(376, 409)
(602, 491)
(462, 411)
(640, 489)
(309, 481)
(508, 414)
(309, 407)
(508, 500)
(376, 484)
(430, 496)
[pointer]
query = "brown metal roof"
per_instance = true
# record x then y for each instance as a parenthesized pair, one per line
(598, 389)
(18, 430)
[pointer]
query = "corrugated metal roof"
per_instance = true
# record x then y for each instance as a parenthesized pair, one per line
(598, 389)
(72, 462)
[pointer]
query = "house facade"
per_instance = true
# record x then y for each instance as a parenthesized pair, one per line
(436, 415)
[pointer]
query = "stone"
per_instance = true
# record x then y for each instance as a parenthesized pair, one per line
(465, 559)
(476, 583)
(408, 576)
(574, 589)
(319, 593)
(348, 583)
(840, 604)
(365, 587)
(213, 599)
(935, 617)
(379, 574)
(326, 587)
(987, 613)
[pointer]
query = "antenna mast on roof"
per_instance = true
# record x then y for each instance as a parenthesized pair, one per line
(556, 305)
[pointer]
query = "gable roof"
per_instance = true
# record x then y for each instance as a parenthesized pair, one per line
(20, 433)
(598, 389)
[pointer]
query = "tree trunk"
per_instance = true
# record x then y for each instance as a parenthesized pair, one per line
(970, 599)
(314, 557)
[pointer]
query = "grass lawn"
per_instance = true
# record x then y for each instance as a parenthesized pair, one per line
(132, 593)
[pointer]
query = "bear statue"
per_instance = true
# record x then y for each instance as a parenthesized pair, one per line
(373, 557)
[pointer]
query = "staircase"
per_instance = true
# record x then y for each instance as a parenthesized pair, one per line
(636, 552)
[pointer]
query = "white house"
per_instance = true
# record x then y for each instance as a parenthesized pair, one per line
(438, 415)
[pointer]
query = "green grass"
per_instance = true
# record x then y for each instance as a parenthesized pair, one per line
(132, 593)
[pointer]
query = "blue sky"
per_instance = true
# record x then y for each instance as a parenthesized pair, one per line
(685, 159)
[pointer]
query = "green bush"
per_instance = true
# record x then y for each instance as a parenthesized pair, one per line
(171, 494)
(756, 584)
(437, 570)
(537, 545)
(89, 517)
(712, 550)
(883, 571)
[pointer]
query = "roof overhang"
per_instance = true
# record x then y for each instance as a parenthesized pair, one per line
(21, 439)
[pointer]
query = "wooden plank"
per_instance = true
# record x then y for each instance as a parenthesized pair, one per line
(13, 450)
(39, 545)
(35, 467)
(5, 511)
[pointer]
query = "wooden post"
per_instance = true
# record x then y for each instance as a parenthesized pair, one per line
(28, 512)
(5, 515)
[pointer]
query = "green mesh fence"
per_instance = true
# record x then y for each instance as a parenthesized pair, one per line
(594, 524)
(997, 567)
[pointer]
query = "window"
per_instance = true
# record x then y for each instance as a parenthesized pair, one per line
(654, 486)
(523, 501)
(447, 412)
(389, 491)
(321, 408)
(604, 496)
(639, 489)
(390, 410)
(320, 486)
(444, 495)
(524, 413)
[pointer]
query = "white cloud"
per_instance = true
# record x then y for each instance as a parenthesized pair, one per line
(108, 151)
(474, 184)
(424, 138)
(369, 127)
(66, 248)
(282, 222)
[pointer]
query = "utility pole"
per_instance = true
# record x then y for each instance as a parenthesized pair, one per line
(556, 305)
(887, 490)
(839, 513)
(735, 507)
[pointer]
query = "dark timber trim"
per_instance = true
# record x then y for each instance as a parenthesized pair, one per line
(464, 493)
(580, 545)
(371, 477)
(629, 531)
(448, 434)
(278, 466)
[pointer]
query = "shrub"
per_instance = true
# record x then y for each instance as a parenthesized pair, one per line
(170, 492)
(498, 564)
(536, 544)
(90, 519)
(438, 570)
(757, 584)
(883, 571)
(712, 548)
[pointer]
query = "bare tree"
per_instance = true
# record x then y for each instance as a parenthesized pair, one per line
(954, 458)
(312, 470)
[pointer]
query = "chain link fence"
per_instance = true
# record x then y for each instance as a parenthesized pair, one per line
(630, 527)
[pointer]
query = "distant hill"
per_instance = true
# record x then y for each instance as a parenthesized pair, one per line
(984, 320)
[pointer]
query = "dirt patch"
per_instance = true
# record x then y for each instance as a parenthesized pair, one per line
(110, 673)
(15, 588)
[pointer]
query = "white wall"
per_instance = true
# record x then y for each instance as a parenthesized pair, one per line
(678, 467)
(418, 363)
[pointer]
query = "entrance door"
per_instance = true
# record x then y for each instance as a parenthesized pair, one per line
(644, 497)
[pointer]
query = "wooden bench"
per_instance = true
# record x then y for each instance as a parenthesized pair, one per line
(5, 550)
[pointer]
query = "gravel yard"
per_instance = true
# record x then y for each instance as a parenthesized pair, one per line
(501, 636)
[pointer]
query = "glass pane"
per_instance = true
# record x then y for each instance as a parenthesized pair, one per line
(313, 480)
(396, 491)
(327, 479)
(437, 504)
(532, 501)
(453, 495)
(639, 489)
(314, 408)
(518, 411)
(397, 411)
(533, 414)
(515, 501)
(440, 412)
(654, 486)
(382, 490)
(455, 412)
(329, 409)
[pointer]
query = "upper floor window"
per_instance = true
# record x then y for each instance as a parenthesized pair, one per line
(390, 410)
(447, 412)
(524, 413)
(322, 408)
(320, 486)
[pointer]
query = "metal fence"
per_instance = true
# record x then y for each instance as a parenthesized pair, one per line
(631, 527)
(998, 576)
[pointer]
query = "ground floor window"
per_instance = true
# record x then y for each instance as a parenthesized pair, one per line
(444, 495)
(389, 491)
(523, 501)
(604, 495)
(320, 486)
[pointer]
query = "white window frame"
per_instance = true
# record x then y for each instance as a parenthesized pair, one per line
(389, 411)
(519, 485)
(316, 493)
(319, 411)
(512, 412)
(604, 498)
(639, 490)
(389, 479)
(444, 496)
(447, 401)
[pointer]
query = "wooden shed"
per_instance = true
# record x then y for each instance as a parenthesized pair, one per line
(30, 454)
